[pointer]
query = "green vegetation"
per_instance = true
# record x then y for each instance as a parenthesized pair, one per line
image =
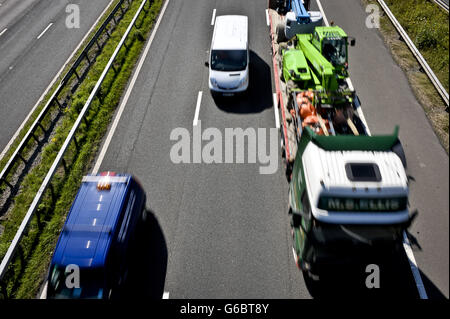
(28, 271)
(416, 16)
(427, 26)
(41, 105)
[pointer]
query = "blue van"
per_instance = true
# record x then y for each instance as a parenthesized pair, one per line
(97, 237)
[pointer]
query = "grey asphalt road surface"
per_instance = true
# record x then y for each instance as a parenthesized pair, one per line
(27, 64)
(387, 100)
(225, 225)
(224, 228)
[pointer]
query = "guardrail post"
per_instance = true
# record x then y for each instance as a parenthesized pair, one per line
(6, 182)
(52, 192)
(38, 219)
(86, 121)
(76, 143)
(64, 164)
(98, 45)
(87, 57)
(3, 290)
(21, 255)
(21, 157)
(121, 8)
(57, 102)
(42, 128)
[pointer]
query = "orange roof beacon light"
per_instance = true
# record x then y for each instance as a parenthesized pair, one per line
(104, 184)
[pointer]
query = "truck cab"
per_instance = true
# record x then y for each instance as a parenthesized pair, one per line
(332, 42)
(346, 192)
(96, 238)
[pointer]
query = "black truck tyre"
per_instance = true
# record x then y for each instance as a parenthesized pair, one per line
(281, 36)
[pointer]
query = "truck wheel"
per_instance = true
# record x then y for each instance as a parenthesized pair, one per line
(273, 4)
(281, 36)
(398, 149)
(281, 47)
(288, 171)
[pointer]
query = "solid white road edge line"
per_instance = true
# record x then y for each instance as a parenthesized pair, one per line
(166, 295)
(1, 33)
(128, 93)
(213, 19)
(275, 108)
(323, 13)
(414, 269)
(267, 17)
(44, 291)
(42, 33)
(51, 84)
(197, 108)
(406, 244)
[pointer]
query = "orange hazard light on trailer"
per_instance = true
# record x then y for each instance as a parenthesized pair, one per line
(104, 184)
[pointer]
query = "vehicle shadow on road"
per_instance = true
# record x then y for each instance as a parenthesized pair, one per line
(148, 262)
(259, 93)
(395, 278)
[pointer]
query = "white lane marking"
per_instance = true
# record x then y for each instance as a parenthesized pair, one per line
(42, 33)
(414, 269)
(51, 84)
(128, 93)
(359, 109)
(275, 108)
(166, 295)
(197, 108)
(44, 291)
(1, 33)
(267, 17)
(323, 13)
(213, 19)
(406, 244)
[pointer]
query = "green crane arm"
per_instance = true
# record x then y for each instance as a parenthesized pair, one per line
(323, 69)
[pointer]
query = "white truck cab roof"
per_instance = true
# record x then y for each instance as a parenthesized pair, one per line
(329, 174)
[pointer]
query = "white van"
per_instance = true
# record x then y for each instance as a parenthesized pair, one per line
(229, 55)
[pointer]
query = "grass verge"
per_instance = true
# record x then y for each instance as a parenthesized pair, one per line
(28, 271)
(427, 26)
(50, 92)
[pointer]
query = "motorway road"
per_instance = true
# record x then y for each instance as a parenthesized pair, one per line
(222, 230)
(28, 64)
(387, 100)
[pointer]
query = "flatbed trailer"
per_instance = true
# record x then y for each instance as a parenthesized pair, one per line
(286, 97)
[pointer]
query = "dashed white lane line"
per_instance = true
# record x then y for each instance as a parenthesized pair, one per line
(4, 30)
(213, 19)
(45, 30)
(166, 295)
(323, 13)
(197, 108)
(267, 17)
(128, 92)
(275, 108)
(406, 243)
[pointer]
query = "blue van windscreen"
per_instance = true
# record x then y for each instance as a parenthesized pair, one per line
(91, 283)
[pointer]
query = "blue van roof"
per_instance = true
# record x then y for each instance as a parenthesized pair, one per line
(88, 231)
